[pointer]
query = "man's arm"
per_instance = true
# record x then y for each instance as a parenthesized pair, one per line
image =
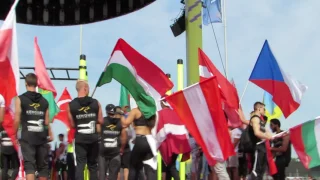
(17, 114)
(243, 117)
(127, 121)
(2, 109)
(98, 126)
(59, 151)
(47, 123)
(284, 146)
(123, 139)
(256, 128)
(70, 117)
(100, 116)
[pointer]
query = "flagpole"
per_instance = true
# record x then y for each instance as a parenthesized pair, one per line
(225, 36)
(244, 91)
(80, 39)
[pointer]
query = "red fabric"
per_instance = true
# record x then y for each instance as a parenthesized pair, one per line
(63, 104)
(298, 145)
(272, 165)
(44, 81)
(8, 126)
(210, 92)
(7, 77)
(71, 134)
(283, 97)
(174, 142)
(228, 91)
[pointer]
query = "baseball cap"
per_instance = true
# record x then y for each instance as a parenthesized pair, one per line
(110, 108)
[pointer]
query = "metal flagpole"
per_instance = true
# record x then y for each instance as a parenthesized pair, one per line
(80, 39)
(225, 36)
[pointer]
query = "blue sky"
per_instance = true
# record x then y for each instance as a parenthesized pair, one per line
(289, 26)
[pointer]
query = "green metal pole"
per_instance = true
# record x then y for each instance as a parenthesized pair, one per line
(194, 38)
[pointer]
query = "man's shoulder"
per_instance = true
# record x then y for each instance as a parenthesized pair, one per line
(2, 101)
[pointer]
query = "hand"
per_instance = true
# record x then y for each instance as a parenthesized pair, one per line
(269, 136)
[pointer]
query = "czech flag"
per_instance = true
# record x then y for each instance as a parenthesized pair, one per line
(268, 75)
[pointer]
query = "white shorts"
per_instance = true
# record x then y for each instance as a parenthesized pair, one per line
(233, 161)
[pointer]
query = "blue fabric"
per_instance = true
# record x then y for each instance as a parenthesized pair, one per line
(266, 67)
(212, 11)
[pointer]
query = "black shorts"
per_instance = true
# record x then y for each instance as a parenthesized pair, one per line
(10, 161)
(61, 166)
(35, 158)
(125, 160)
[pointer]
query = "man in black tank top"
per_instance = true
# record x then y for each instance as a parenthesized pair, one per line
(85, 115)
(31, 110)
(9, 157)
(257, 133)
(113, 139)
(281, 149)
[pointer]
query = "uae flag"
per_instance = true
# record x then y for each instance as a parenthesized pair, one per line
(45, 85)
(199, 108)
(144, 80)
(305, 138)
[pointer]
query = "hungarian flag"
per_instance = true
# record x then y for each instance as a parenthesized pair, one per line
(199, 108)
(63, 104)
(306, 142)
(172, 136)
(9, 65)
(144, 80)
(124, 98)
(45, 85)
(228, 92)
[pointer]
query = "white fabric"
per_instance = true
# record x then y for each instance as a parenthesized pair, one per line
(63, 156)
(221, 170)
(2, 101)
(204, 72)
(202, 117)
(119, 58)
(297, 89)
(236, 134)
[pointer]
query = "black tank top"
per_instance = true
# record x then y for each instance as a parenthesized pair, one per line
(84, 112)
(110, 137)
(6, 144)
(140, 121)
(253, 137)
(33, 112)
(278, 143)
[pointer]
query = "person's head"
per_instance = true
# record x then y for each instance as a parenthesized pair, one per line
(82, 88)
(61, 137)
(118, 112)
(275, 125)
(110, 110)
(259, 108)
(31, 81)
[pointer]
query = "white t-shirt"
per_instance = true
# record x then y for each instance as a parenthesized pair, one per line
(2, 102)
(236, 134)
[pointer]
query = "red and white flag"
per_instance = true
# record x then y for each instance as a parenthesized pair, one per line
(9, 65)
(207, 69)
(228, 91)
(199, 108)
(63, 104)
(172, 136)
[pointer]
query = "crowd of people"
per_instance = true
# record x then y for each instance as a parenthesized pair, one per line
(102, 143)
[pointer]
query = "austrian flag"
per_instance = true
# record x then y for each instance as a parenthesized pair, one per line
(199, 108)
